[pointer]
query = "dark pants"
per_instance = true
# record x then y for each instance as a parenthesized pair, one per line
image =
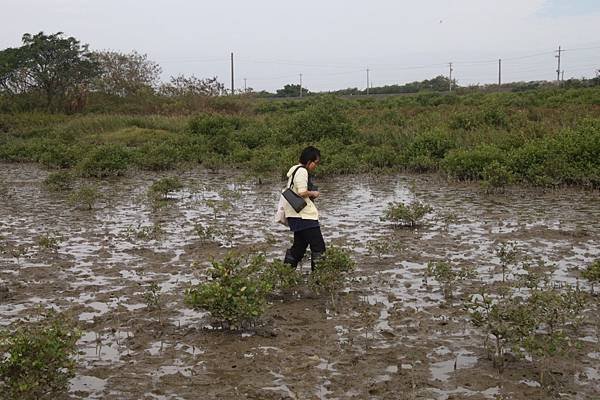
(302, 239)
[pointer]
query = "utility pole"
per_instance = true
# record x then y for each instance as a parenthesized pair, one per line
(245, 89)
(367, 81)
(562, 75)
(450, 64)
(300, 85)
(499, 72)
(232, 87)
(558, 68)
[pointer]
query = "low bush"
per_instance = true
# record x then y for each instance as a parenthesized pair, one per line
(409, 215)
(330, 271)
(469, 164)
(496, 177)
(592, 273)
(59, 181)
(235, 294)
(105, 161)
(37, 359)
(213, 124)
(85, 197)
(161, 189)
(447, 275)
(323, 120)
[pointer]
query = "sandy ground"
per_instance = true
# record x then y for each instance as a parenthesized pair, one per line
(388, 336)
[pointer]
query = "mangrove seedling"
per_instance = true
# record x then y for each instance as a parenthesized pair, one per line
(162, 188)
(49, 242)
(153, 299)
(508, 256)
(329, 273)
(407, 215)
(84, 198)
(592, 273)
(59, 181)
(447, 276)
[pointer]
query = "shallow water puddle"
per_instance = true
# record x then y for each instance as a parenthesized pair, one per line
(107, 258)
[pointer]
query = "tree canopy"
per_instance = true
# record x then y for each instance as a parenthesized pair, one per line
(126, 74)
(54, 66)
(291, 91)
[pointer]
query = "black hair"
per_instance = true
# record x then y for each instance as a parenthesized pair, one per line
(309, 154)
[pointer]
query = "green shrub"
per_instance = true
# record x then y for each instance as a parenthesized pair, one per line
(58, 155)
(160, 189)
(85, 197)
(447, 276)
(49, 241)
(213, 124)
(329, 273)
(469, 164)
(105, 161)
(59, 181)
(435, 144)
(409, 215)
(235, 294)
(495, 117)
(160, 157)
(324, 119)
(592, 273)
(280, 277)
(37, 359)
(465, 121)
(496, 176)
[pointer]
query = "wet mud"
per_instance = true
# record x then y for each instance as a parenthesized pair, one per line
(389, 335)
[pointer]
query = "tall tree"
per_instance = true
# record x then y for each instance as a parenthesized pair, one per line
(126, 74)
(51, 65)
(192, 86)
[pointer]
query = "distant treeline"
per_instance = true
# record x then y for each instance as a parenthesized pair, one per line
(59, 74)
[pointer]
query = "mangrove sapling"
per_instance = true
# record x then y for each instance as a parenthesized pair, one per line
(219, 206)
(447, 276)
(508, 256)
(407, 215)
(153, 232)
(506, 320)
(4, 190)
(206, 234)
(49, 241)
(382, 247)
(153, 299)
(448, 218)
(368, 316)
(85, 197)
(557, 315)
(329, 273)
(18, 251)
(59, 181)
(537, 275)
(280, 277)
(540, 324)
(592, 273)
(38, 358)
(496, 177)
(161, 189)
(234, 295)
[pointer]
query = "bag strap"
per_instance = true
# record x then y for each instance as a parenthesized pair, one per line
(294, 174)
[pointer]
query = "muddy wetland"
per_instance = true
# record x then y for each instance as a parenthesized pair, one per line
(410, 321)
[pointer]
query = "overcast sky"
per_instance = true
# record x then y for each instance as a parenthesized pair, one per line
(330, 42)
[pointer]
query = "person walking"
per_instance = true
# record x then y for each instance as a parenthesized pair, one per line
(305, 223)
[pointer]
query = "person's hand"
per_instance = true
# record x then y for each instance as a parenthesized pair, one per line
(314, 194)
